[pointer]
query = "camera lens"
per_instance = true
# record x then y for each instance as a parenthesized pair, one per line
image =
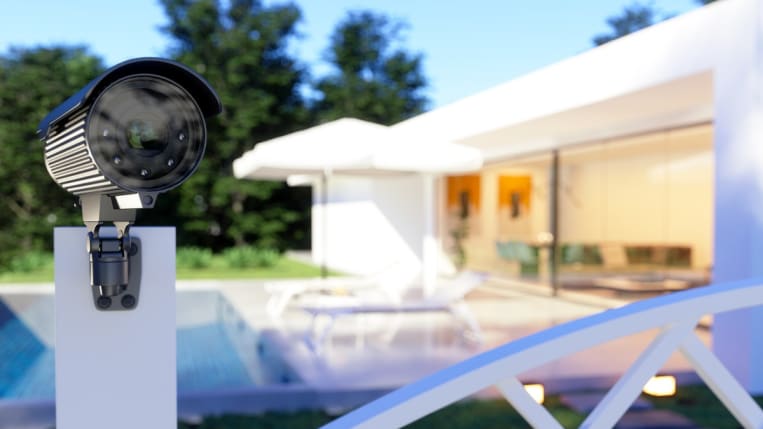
(143, 134)
(146, 134)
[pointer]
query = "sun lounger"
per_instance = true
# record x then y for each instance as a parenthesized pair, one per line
(448, 297)
(283, 292)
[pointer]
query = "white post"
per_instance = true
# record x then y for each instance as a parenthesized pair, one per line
(115, 369)
(738, 247)
(429, 245)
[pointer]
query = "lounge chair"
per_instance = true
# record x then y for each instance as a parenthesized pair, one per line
(448, 297)
(282, 292)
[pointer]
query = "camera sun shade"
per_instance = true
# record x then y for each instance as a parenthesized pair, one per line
(133, 132)
(143, 134)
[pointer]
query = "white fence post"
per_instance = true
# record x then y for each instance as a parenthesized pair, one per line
(620, 397)
(675, 314)
(722, 383)
(533, 412)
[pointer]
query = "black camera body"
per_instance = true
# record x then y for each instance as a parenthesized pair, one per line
(133, 132)
(139, 128)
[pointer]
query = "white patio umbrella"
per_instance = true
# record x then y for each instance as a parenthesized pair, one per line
(338, 145)
(354, 147)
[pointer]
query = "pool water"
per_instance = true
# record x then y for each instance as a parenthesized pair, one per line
(216, 349)
(26, 364)
(206, 359)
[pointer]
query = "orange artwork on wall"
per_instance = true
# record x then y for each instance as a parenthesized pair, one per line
(464, 193)
(514, 194)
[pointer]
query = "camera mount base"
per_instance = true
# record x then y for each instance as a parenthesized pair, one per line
(104, 263)
(115, 267)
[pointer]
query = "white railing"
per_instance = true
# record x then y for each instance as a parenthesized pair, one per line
(676, 315)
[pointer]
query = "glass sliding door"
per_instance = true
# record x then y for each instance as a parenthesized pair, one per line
(635, 214)
(498, 220)
(630, 216)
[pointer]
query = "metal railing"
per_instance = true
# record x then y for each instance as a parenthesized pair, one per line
(676, 316)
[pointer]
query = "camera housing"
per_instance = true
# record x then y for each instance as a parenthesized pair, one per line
(138, 128)
(133, 132)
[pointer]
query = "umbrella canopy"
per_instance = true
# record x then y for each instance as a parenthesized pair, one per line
(333, 146)
(358, 148)
(352, 147)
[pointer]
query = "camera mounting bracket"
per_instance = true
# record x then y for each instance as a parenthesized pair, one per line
(115, 262)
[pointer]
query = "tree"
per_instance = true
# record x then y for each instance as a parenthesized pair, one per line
(240, 46)
(373, 77)
(633, 18)
(32, 82)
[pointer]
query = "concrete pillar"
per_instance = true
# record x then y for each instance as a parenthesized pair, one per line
(115, 369)
(738, 248)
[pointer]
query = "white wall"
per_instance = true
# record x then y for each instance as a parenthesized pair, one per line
(372, 224)
(739, 187)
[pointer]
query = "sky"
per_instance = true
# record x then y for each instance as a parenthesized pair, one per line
(467, 46)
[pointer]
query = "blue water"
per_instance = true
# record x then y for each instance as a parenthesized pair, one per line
(221, 354)
(22, 356)
(206, 359)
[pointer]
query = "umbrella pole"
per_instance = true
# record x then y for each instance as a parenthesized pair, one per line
(429, 245)
(324, 225)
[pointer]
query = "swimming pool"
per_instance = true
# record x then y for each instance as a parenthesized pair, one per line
(216, 348)
(226, 363)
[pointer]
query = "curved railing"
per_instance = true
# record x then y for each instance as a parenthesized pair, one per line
(676, 315)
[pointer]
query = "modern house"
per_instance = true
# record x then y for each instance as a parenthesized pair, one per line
(635, 165)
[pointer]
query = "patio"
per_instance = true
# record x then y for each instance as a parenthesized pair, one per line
(377, 352)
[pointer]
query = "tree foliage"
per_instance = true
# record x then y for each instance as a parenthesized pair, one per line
(373, 77)
(240, 46)
(32, 82)
(634, 17)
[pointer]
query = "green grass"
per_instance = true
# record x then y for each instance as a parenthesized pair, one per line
(298, 420)
(492, 414)
(700, 404)
(44, 275)
(697, 403)
(471, 414)
(283, 268)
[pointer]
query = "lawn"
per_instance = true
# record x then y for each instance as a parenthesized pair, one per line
(216, 269)
(700, 405)
(43, 275)
(470, 414)
(697, 403)
(283, 268)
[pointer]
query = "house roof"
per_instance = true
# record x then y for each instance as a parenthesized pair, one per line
(660, 77)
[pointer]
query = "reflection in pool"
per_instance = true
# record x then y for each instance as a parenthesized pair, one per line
(216, 348)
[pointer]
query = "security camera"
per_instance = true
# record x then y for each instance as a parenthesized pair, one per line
(132, 133)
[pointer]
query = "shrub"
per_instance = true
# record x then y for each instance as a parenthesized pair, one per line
(250, 257)
(31, 261)
(194, 257)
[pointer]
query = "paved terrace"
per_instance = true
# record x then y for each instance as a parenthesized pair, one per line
(382, 351)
